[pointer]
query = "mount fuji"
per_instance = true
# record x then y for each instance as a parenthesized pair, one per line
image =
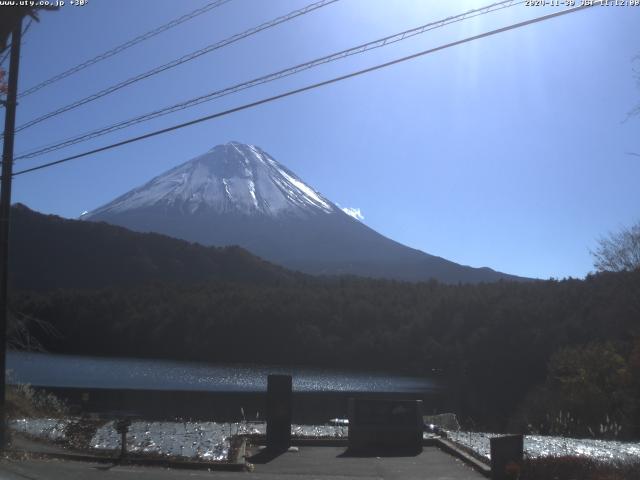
(237, 194)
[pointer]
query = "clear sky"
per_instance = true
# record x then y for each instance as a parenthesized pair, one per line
(510, 152)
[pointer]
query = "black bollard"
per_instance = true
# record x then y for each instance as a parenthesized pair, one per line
(279, 411)
(506, 457)
(122, 426)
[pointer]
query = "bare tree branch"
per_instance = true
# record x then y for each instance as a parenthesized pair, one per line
(19, 330)
(619, 251)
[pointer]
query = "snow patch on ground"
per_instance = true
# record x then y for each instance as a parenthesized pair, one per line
(193, 440)
(537, 446)
(210, 440)
(51, 429)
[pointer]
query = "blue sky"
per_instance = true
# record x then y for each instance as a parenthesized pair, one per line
(509, 152)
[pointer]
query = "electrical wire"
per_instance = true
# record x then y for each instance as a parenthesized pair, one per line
(8, 47)
(124, 46)
(6, 55)
(388, 40)
(307, 88)
(185, 58)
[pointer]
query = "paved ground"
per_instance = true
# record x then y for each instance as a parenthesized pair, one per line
(326, 463)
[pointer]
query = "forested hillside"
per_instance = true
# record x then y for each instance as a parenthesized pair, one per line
(49, 252)
(503, 347)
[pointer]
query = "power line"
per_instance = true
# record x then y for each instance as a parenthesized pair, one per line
(8, 48)
(388, 40)
(307, 88)
(124, 46)
(179, 61)
(6, 55)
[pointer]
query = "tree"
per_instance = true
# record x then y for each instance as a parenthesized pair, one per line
(619, 251)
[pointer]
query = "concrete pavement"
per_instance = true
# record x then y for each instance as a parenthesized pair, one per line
(326, 463)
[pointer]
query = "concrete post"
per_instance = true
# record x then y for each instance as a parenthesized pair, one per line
(506, 457)
(279, 411)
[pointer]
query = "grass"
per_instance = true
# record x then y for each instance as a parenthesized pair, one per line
(22, 400)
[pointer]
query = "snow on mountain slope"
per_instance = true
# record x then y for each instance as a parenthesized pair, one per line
(229, 178)
(237, 194)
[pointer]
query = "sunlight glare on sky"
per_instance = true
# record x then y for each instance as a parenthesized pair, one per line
(510, 151)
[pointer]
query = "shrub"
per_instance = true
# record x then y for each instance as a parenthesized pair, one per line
(22, 400)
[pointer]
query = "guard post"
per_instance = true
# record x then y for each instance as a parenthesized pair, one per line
(385, 426)
(279, 411)
(506, 457)
(122, 427)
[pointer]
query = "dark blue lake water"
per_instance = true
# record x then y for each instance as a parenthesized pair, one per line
(40, 369)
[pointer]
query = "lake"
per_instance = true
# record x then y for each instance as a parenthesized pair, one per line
(49, 370)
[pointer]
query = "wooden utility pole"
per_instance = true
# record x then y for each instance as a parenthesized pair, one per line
(5, 212)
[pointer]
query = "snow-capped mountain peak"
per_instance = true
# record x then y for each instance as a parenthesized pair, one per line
(237, 194)
(229, 178)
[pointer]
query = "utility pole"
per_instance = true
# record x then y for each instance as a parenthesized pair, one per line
(5, 212)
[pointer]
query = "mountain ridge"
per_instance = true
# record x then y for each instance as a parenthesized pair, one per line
(50, 253)
(237, 194)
